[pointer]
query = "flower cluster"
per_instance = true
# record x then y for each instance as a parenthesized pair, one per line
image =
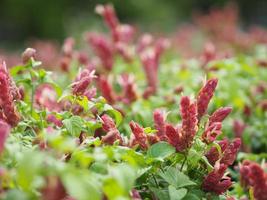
(127, 83)
(9, 94)
(253, 176)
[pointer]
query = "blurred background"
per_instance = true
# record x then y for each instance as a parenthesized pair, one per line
(22, 21)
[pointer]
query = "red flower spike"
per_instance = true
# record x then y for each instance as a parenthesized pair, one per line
(211, 132)
(252, 175)
(189, 121)
(108, 123)
(220, 114)
(106, 89)
(111, 137)
(160, 125)
(103, 49)
(214, 181)
(83, 80)
(230, 152)
(204, 96)
(8, 94)
(4, 132)
(213, 154)
(139, 135)
(113, 133)
(173, 136)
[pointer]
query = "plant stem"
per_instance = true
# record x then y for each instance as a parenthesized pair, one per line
(182, 166)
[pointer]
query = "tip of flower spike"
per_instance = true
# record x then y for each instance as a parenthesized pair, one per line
(28, 54)
(99, 9)
(3, 67)
(108, 123)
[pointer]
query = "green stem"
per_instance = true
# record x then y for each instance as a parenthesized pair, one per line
(182, 166)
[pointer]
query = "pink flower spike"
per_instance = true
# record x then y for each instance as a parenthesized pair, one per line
(139, 135)
(213, 153)
(108, 123)
(188, 111)
(220, 114)
(204, 96)
(211, 132)
(230, 152)
(83, 80)
(103, 49)
(129, 88)
(160, 125)
(214, 181)
(106, 89)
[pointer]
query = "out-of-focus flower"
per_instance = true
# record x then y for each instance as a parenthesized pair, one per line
(135, 195)
(103, 49)
(9, 93)
(129, 93)
(215, 182)
(54, 189)
(238, 128)
(46, 97)
(90, 93)
(106, 89)
(28, 54)
(53, 119)
(108, 13)
(68, 46)
(4, 132)
(205, 95)
(144, 42)
(82, 81)
(252, 175)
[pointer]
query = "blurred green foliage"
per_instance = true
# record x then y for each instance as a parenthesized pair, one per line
(50, 19)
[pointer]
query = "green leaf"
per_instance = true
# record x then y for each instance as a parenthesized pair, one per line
(160, 193)
(81, 185)
(160, 150)
(190, 196)
(176, 194)
(176, 178)
(73, 125)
